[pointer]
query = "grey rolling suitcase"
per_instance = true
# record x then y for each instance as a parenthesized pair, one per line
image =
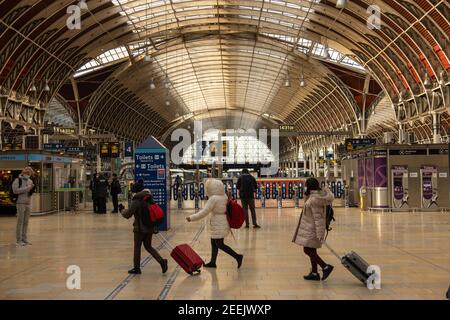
(354, 263)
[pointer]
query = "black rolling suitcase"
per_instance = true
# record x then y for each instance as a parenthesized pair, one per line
(354, 263)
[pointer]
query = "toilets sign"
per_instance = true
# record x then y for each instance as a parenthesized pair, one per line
(151, 165)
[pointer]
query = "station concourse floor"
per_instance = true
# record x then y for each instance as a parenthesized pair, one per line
(412, 250)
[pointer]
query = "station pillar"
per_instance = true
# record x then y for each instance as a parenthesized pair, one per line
(436, 118)
(401, 133)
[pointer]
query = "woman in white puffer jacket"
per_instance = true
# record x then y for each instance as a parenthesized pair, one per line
(219, 227)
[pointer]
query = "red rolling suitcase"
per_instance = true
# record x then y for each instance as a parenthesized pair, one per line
(185, 256)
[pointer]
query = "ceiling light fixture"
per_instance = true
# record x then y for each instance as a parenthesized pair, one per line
(341, 4)
(148, 58)
(287, 82)
(427, 81)
(46, 87)
(302, 78)
(152, 85)
(33, 88)
(302, 81)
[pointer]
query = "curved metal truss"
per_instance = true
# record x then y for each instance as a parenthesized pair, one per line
(225, 56)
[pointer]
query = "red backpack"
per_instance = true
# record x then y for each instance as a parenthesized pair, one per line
(156, 214)
(235, 214)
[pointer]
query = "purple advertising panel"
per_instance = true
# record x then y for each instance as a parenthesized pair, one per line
(360, 173)
(400, 194)
(429, 186)
(380, 169)
(369, 172)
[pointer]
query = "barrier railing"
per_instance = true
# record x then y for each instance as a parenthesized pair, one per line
(273, 192)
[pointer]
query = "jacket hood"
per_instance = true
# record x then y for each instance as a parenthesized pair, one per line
(141, 195)
(321, 198)
(214, 187)
(319, 194)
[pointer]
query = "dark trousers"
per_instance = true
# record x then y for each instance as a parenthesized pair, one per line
(101, 205)
(146, 239)
(115, 201)
(246, 203)
(95, 204)
(217, 244)
(315, 259)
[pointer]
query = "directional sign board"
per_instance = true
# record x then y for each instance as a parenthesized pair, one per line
(151, 165)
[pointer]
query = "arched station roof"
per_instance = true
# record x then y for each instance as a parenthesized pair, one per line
(226, 61)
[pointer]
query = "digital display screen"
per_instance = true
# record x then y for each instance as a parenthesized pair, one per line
(114, 149)
(104, 149)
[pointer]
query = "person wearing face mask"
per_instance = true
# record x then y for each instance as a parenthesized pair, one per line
(23, 187)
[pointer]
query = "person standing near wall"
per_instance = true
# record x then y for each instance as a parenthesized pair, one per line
(247, 187)
(23, 187)
(116, 189)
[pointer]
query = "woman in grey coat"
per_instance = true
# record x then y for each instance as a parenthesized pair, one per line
(310, 231)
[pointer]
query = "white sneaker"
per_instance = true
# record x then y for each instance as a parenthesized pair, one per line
(26, 242)
(20, 244)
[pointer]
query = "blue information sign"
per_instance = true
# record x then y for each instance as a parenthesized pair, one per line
(151, 165)
(128, 149)
(56, 147)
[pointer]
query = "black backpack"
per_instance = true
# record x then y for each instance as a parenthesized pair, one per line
(329, 217)
(13, 196)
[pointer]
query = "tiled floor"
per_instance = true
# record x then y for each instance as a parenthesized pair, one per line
(412, 250)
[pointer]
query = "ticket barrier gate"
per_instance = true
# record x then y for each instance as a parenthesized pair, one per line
(282, 192)
(190, 191)
(279, 193)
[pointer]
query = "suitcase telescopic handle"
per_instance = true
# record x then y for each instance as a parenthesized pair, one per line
(164, 241)
(332, 251)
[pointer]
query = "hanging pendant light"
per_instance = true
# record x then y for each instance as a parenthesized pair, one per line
(148, 58)
(152, 85)
(167, 84)
(341, 4)
(302, 80)
(427, 81)
(46, 88)
(33, 88)
(287, 82)
(167, 103)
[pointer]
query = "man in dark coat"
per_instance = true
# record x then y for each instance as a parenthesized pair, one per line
(92, 186)
(247, 187)
(116, 189)
(142, 233)
(101, 186)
